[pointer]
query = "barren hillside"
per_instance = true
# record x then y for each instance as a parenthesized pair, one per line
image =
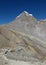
(24, 39)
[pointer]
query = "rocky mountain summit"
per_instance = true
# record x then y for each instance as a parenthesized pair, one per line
(23, 40)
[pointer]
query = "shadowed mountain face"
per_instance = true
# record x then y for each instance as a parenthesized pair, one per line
(24, 34)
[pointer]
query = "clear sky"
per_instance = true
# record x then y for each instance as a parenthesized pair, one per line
(9, 9)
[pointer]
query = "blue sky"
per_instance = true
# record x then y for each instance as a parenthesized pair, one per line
(9, 9)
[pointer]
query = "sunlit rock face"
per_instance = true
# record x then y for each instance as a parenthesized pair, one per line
(28, 24)
(24, 39)
(3, 60)
(23, 23)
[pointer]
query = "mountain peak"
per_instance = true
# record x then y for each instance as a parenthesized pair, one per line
(25, 13)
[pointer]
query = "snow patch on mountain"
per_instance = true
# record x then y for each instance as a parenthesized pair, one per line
(26, 13)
